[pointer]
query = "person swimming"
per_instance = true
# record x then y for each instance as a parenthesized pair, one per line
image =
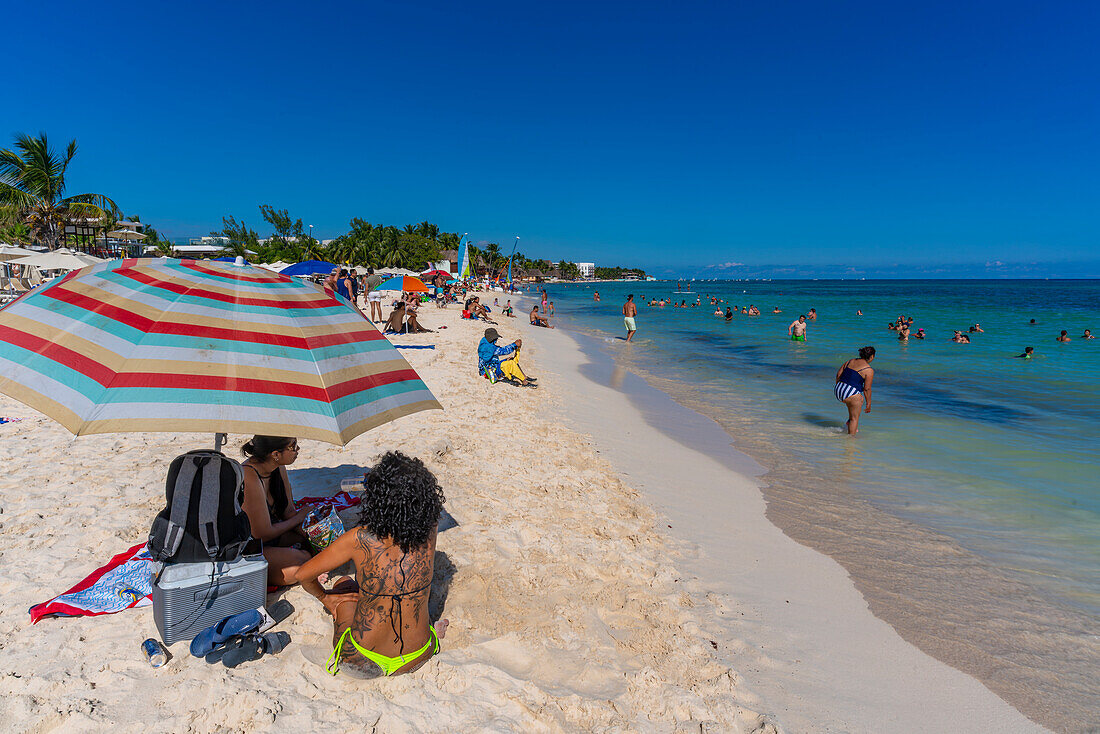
(1087, 335)
(1064, 336)
(1029, 352)
(729, 314)
(853, 386)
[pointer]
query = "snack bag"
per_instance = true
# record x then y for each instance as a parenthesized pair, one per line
(322, 526)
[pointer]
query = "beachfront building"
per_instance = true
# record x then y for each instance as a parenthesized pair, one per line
(588, 270)
(448, 262)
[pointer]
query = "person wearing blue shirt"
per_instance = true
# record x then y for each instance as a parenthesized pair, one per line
(491, 365)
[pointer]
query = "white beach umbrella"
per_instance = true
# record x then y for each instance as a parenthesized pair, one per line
(125, 234)
(10, 252)
(58, 260)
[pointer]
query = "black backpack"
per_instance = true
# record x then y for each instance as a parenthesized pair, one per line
(203, 520)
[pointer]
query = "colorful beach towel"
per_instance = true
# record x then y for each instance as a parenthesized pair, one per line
(125, 582)
(341, 501)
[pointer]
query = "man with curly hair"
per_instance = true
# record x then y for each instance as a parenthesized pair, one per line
(380, 617)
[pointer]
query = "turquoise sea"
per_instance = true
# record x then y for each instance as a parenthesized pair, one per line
(995, 453)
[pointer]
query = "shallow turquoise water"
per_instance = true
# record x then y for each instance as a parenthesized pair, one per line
(995, 452)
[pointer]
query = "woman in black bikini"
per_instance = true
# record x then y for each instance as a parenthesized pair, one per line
(269, 504)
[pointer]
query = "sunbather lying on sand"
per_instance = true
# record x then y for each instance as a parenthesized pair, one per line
(382, 628)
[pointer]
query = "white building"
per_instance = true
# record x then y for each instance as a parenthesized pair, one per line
(588, 270)
(209, 240)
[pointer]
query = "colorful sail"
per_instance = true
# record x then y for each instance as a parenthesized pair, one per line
(464, 259)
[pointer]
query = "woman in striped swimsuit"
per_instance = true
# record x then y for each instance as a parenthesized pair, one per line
(853, 386)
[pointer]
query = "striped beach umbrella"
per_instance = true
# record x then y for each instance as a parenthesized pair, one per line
(200, 346)
(404, 283)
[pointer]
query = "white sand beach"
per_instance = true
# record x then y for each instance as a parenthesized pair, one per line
(567, 606)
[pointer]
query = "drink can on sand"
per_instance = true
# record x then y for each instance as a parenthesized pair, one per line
(154, 652)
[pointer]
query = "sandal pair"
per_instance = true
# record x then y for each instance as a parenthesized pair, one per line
(243, 648)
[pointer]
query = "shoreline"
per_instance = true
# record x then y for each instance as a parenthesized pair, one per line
(853, 687)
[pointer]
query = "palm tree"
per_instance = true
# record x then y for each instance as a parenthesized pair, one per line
(492, 255)
(32, 189)
(15, 233)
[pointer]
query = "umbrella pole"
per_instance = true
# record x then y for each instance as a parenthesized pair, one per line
(220, 440)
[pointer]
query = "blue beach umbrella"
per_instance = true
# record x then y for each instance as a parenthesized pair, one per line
(309, 267)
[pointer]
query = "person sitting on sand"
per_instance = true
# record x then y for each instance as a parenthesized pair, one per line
(1064, 336)
(477, 311)
(537, 320)
(853, 386)
(493, 368)
(508, 311)
(269, 504)
(1029, 352)
(381, 625)
(403, 322)
(1087, 335)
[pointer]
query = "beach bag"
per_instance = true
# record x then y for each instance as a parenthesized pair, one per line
(322, 526)
(202, 520)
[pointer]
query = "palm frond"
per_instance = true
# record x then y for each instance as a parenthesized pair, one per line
(103, 203)
(16, 198)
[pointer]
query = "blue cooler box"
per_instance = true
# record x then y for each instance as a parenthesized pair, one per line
(189, 597)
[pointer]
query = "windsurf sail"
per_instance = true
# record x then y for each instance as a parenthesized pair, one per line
(463, 259)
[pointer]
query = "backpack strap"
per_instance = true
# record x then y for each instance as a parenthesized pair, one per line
(209, 502)
(181, 501)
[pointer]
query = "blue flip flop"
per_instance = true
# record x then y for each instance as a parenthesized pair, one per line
(238, 624)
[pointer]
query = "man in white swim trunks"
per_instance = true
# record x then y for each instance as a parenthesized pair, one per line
(374, 296)
(630, 310)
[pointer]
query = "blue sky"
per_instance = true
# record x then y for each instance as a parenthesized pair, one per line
(681, 137)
